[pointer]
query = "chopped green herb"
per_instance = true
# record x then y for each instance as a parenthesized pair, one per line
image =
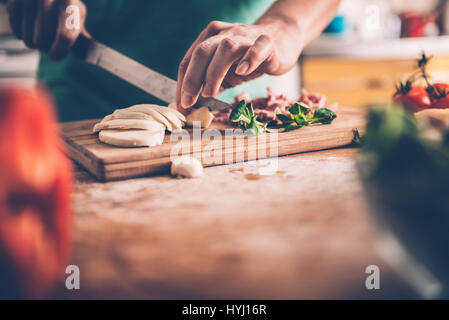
(299, 115)
(323, 116)
(238, 112)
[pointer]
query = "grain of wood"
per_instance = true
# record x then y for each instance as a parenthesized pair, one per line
(302, 232)
(110, 163)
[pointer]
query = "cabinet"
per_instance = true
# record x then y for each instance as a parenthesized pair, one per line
(360, 83)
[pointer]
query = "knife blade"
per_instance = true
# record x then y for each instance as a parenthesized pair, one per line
(133, 72)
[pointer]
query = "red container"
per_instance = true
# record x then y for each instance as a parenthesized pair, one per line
(416, 25)
(35, 188)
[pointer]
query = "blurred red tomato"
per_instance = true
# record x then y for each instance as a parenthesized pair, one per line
(412, 98)
(35, 185)
(439, 92)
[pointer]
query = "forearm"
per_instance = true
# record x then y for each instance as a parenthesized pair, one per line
(304, 19)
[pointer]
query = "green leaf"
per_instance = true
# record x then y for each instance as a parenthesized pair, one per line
(256, 127)
(300, 120)
(291, 127)
(295, 109)
(238, 111)
(299, 115)
(284, 119)
(323, 116)
(250, 110)
(272, 123)
(304, 108)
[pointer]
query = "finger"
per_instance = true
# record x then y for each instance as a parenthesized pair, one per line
(232, 80)
(185, 112)
(232, 83)
(46, 24)
(211, 30)
(15, 12)
(67, 34)
(29, 21)
(261, 51)
(225, 56)
(181, 73)
(193, 79)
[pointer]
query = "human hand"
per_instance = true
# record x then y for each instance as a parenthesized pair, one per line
(48, 25)
(226, 55)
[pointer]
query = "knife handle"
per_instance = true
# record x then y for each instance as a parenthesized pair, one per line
(81, 47)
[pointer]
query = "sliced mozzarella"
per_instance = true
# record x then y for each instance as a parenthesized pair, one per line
(188, 167)
(173, 106)
(130, 115)
(148, 112)
(175, 117)
(123, 124)
(132, 138)
(202, 116)
(171, 110)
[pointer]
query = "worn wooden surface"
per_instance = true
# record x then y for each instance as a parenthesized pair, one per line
(303, 232)
(108, 163)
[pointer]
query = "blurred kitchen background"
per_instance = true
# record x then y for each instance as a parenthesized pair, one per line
(356, 62)
(17, 63)
(371, 44)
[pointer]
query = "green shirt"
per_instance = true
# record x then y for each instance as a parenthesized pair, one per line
(155, 33)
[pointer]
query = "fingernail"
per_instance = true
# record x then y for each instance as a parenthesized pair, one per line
(242, 68)
(187, 100)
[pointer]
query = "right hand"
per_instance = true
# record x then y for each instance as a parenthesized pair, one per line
(42, 24)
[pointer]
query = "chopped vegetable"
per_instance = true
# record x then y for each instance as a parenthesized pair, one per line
(237, 114)
(243, 114)
(440, 96)
(323, 116)
(412, 98)
(299, 115)
(415, 98)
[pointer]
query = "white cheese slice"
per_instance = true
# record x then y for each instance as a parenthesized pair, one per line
(188, 167)
(149, 113)
(123, 124)
(171, 110)
(127, 115)
(132, 138)
(201, 115)
(174, 116)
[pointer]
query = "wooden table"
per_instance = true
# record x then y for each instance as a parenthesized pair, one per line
(303, 232)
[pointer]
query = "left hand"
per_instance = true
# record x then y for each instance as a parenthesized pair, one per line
(226, 55)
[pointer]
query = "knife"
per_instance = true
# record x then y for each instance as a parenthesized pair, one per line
(135, 73)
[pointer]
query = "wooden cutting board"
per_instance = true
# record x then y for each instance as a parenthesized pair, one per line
(216, 146)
